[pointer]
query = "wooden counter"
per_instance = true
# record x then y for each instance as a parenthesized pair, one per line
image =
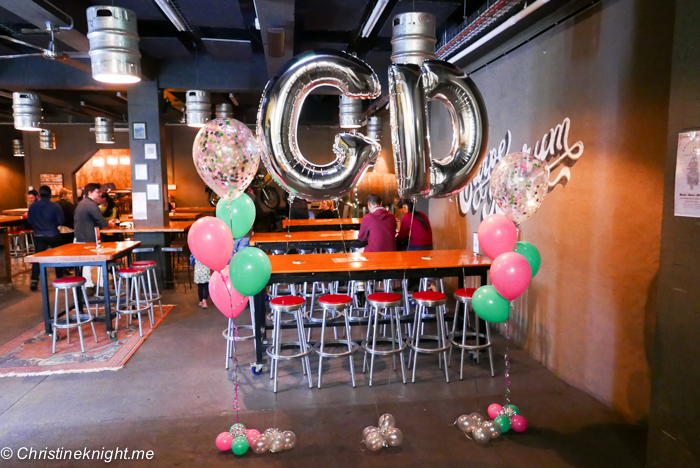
(16, 211)
(174, 226)
(322, 224)
(305, 240)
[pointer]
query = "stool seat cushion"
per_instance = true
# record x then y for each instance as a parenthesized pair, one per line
(287, 301)
(335, 299)
(429, 296)
(384, 297)
(465, 292)
(130, 270)
(141, 263)
(68, 280)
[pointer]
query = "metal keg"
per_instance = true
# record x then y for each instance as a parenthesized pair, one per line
(224, 111)
(47, 140)
(374, 128)
(197, 107)
(26, 109)
(114, 44)
(413, 38)
(350, 112)
(104, 130)
(18, 148)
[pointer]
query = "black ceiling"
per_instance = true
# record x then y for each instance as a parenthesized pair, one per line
(222, 31)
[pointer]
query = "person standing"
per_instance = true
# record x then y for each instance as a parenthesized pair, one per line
(326, 210)
(44, 216)
(299, 209)
(202, 275)
(415, 224)
(68, 208)
(32, 196)
(378, 228)
(87, 218)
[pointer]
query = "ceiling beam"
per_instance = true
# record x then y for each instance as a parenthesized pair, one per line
(276, 14)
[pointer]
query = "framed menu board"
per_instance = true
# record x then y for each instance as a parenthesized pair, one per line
(54, 181)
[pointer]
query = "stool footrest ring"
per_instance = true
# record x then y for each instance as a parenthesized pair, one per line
(333, 343)
(468, 346)
(73, 323)
(288, 357)
(239, 338)
(380, 352)
(427, 350)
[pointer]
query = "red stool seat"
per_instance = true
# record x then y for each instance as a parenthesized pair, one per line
(465, 292)
(130, 270)
(287, 301)
(143, 263)
(429, 296)
(68, 279)
(335, 299)
(384, 297)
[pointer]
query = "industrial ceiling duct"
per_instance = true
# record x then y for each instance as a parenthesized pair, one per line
(197, 108)
(413, 38)
(18, 148)
(224, 111)
(26, 109)
(374, 128)
(104, 130)
(114, 45)
(47, 140)
(350, 112)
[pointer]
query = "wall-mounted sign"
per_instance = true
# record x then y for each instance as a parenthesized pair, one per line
(139, 130)
(54, 181)
(553, 148)
(150, 151)
(687, 192)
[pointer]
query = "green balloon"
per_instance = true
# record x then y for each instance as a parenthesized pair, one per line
(250, 271)
(514, 408)
(239, 214)
(489, 305)
(531, 254)
(239, 446)
(504, 422)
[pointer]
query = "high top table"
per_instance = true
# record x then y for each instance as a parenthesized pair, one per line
(11, 220)
(306, 240)
(16, 211)
(365, 267)
(334, 224)
(195, 209)
(78, 255)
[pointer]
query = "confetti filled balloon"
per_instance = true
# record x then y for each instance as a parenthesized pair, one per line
(226, 155)
(519, 183)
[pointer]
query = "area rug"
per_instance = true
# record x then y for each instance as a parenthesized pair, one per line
(30, 353)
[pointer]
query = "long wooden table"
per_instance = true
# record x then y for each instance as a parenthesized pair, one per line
(306, 240)
(174, 226)
(334, 224)
(364, 267)
(11, 220)
(78, 255)
(194, 209)
(16, 211)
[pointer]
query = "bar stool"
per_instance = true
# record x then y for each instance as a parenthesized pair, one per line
(389, 302)
(232, 339)
(339, 303)
(135, 298)
(464, 296)
(80, 319)
(425, 299)
(150, 267)
(293, 305)
(28, 240)
(111, 266)
(176, 251)
(141, 250)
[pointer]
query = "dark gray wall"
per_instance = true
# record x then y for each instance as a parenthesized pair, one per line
(11, 171)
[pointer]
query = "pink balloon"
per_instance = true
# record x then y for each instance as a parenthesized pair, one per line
(494, 410)
(225, 297)
(251, 435)
(510, 275)
(518, 423)
(224, 441)
(497, 235)
(211, 242)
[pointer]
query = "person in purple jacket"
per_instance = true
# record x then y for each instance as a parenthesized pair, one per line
(378, 228)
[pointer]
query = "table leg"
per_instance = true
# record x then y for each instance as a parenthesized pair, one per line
(107, 301)
(259, 306)
(45, 300)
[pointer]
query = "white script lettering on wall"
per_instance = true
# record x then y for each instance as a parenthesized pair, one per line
(552, 148)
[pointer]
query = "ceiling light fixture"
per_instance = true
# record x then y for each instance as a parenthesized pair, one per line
(172, 14)
(197, 107)
(374, 128)
(350, 112)
(26, 109)
(104, 131)
(374, 17)
(47, 140)
(224, 111)
(17, 148)
(114, 45)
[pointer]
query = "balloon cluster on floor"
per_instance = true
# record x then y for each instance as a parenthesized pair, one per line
(482, 430)
(239, 440)
(385, 435)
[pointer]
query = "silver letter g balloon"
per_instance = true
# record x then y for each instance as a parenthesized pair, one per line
(278, 117)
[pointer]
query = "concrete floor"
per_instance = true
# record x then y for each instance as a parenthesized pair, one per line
(174, 396)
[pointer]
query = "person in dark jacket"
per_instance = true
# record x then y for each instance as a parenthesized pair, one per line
(378, 228)
(44, 216)
(299, 209)
(416, 224)
(68, 208)
(32, 196)
(326, 210)
(87, 217)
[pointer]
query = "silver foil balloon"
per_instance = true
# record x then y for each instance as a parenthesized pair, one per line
(386, 421)
(277, 442)
(466, 423)
(492, 428)
(374, 441)
(367, 430)
(480, 435)
(261, 444)
(278, 117)
(478, 418)
(410, 89)
(393, 436)
(290, 440)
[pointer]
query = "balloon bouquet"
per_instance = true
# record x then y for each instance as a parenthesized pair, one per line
(226, 155)
(519, 183)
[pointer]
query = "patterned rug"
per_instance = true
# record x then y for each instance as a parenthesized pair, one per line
(30, 353)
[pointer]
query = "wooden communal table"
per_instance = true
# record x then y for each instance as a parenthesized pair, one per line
(195, 209)
(77, 255)
(186, 216)
(322, 224)
(172, 227)
(364, 267)
(11, 220)
(306, 240)
(16, 211)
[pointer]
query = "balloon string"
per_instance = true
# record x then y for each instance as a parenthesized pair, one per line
(507, 358)
(236, 406)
